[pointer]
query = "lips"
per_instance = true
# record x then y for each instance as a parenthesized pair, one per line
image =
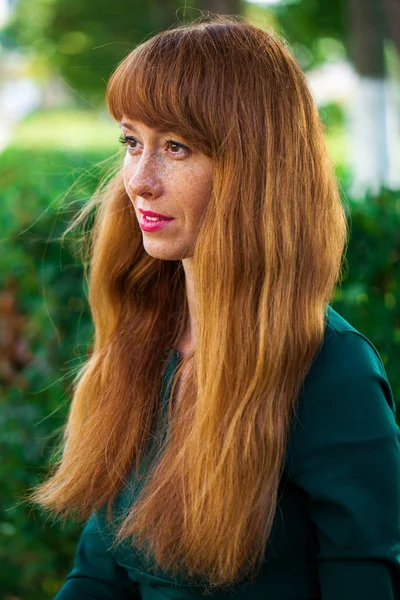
(153, 226)
(150, 213)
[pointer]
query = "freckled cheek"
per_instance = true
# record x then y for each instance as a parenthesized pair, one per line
(126, 177)
(204, 195)
(197, 205)
(196, 195)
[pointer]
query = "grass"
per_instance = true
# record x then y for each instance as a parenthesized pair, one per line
(66, 130)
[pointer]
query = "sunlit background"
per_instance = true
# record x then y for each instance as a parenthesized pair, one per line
(55, 140)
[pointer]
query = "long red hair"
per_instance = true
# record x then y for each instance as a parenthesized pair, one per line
(266, 263)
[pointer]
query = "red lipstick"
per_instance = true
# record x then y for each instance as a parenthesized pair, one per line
(150, 213)
(150, 225)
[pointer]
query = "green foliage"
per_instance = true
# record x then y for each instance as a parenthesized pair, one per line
(315, 29)
(370, 295)
(84, 41)
(45, 284)
(42, 280)
(332, 117)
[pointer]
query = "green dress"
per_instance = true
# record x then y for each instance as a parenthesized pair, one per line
(336, 534)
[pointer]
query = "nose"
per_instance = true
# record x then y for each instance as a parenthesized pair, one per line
(143, 180)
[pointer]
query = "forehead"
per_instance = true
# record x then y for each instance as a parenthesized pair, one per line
(136, 125)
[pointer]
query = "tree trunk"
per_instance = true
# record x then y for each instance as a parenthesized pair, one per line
(366, 44)
(371, 117)
(392, 17)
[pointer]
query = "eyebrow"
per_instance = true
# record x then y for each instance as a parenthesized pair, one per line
(132, 128)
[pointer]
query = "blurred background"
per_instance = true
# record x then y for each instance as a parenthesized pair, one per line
(56, 140)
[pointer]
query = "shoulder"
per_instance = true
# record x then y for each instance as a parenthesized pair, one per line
(344, 454)
(347, 360)
(346, 397)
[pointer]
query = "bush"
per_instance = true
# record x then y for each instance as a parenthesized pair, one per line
(369, 297)
(47, 325)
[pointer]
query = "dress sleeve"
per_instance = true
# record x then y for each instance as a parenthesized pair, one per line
(95, 574)
(346, 457)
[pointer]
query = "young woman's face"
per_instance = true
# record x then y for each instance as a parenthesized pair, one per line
(169, 178)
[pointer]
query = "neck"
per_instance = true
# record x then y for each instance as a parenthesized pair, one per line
(191, 329)
(190, 335)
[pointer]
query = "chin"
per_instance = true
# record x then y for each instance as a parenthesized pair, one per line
(164, 253)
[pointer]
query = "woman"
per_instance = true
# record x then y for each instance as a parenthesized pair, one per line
(273, 470)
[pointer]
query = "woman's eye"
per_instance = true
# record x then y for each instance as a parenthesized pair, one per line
(127, 141)
(175, 147)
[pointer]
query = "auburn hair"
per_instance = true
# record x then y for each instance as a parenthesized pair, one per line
(266, 262)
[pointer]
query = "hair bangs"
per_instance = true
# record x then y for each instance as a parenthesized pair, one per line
(158, 84)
